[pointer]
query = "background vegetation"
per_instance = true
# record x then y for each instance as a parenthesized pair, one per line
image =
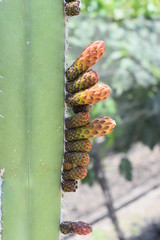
(131, 67)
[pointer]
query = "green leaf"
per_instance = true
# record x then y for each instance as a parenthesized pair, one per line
(125, 169)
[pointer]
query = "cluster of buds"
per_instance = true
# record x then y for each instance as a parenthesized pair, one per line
(72, 7)
(83, 92)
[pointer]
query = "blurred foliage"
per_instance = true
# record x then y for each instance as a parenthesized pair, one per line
(131, 67)
(91, 177)
(125, 169)
(149, 232)
(121, 9)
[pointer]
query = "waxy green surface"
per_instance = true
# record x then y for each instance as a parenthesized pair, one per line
(32, 106)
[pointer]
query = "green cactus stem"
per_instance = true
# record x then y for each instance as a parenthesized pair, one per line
(32, 105)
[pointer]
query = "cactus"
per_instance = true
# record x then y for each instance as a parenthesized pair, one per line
(31, 134)
(89, 96)
(90, 55)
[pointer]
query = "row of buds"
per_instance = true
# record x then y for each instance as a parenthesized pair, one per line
(76, 158)
(72, 7)
(82, 93)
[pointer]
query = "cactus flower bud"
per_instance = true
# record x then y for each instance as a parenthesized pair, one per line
(80, 228)
(91, 95)
(69, 186)
(90, 55)
(78, 146)
(80, 159)
(77, 120)
(96, 128)
(67, 165)
(76, 173)
(87, 80)
(72, 8)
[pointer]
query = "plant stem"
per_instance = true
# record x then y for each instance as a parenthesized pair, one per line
(32, 106)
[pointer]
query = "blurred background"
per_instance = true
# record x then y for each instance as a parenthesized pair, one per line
(120, 196)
